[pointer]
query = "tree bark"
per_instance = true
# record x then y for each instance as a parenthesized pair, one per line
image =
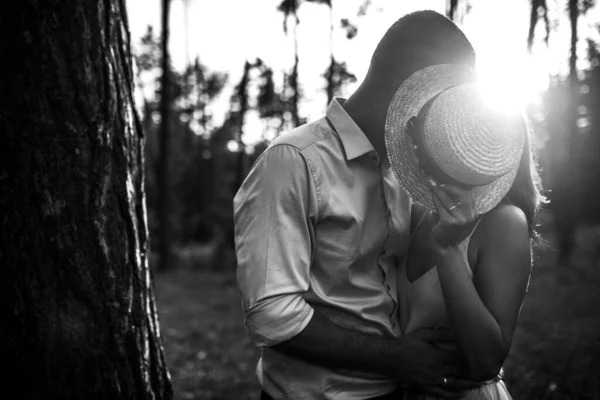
(77, 308)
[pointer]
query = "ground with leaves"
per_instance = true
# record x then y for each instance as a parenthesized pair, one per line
(556, 351)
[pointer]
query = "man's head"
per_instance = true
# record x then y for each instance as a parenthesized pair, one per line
(415, 41)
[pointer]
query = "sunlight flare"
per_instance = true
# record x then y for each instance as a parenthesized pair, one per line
(514, 85)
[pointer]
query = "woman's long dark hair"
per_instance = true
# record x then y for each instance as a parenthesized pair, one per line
(526, 191)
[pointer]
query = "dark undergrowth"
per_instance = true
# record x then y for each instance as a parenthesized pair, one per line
(555, 354)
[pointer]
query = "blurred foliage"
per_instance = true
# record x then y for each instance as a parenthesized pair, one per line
(211, 160)
(567, 124)
(193, 90)
(336, 76)
(350, 28)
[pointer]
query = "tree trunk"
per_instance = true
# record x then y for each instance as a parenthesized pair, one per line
(77, 305)
(536, 7)
(164, 193)
(452, 6)
(533, 19)
(242, 95)
(573, 17)
(294, 78)
(567, 211)
(330, 85)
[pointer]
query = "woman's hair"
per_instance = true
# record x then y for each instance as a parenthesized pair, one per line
(526, 190)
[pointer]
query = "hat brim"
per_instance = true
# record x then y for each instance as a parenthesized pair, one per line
(410, 97)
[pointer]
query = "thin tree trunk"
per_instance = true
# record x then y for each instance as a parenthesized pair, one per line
(186, 28)
(573, 17)
(452, 5)
(536, 6)
(533, 19)
(294, 78)
(240, 174)
(573, 79)
(163, 169)
(77, 305)
(331, 71)
(566, 189)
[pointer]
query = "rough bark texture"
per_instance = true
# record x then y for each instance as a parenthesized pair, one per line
(77, 311)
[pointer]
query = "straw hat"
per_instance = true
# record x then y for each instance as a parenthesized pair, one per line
(464, 137)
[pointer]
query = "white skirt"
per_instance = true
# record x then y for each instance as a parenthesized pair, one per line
(492, 391)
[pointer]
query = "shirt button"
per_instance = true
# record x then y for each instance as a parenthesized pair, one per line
(374, 158)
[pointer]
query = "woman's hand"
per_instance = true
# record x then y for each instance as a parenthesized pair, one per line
(430, 362)
(456, 212)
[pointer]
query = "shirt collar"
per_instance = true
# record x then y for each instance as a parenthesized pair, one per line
(353, 139)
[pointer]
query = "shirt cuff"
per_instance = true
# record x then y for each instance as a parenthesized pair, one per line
(277, 319)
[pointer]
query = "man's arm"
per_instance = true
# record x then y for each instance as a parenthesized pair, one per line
(274, 212)
(413, 358)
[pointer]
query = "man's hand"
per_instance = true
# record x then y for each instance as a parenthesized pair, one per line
(431, 363)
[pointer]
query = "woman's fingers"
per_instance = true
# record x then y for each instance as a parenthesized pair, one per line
(445, 217)
(463, 198)
(448, 202)
(454, 218)
(457, 201)
(456, 192)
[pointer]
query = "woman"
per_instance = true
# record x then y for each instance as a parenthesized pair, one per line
(471, 173)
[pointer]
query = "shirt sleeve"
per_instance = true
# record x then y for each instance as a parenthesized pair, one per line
(274, 214)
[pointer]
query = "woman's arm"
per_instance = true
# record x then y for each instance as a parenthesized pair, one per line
(483, 311)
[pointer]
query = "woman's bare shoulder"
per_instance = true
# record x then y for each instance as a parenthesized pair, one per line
(504, 226)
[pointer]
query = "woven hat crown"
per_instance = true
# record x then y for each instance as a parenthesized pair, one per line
(466, 138)
(471, 141)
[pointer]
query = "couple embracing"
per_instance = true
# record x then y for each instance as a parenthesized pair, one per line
(384, 250)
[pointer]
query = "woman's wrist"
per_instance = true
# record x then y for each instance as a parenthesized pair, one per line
(446, 253)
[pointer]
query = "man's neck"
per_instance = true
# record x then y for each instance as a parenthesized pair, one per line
(371, 120)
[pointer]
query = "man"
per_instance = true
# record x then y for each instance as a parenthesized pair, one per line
(321, 225)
